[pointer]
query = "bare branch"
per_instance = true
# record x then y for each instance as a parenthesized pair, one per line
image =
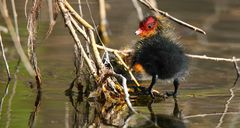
(68, 22)
(82, 31)
(18, 46)
(25, 8)
(147, 3)
(75, 14)
(52, 18)
(211, 58)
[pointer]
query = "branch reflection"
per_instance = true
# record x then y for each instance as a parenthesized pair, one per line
(33, 114)
(95, 113)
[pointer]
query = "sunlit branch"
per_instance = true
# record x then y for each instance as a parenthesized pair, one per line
(68, 22)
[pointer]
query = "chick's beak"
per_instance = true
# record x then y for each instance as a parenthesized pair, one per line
(139, 31)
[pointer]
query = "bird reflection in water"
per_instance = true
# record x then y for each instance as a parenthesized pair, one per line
(167, 121)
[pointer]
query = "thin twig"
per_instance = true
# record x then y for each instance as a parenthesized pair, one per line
(147, 3)
(103, 21)
(15, 18)
(52, 20)
(211, 58)
(25, 8)
(123, 52)
(4, 58)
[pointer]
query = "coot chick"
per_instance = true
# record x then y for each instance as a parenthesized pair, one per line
(159, 54)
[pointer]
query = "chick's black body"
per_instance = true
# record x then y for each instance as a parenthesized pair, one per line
(162, 58)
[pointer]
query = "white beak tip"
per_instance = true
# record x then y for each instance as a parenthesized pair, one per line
(139, 31)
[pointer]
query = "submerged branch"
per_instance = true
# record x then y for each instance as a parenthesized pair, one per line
(237, 69)
(210, 114)
(231, 93)
(226, 107)
(150, 6)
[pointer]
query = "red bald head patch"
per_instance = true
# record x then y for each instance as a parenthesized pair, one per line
(147, 27)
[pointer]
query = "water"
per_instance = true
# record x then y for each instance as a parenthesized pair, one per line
(202, 96)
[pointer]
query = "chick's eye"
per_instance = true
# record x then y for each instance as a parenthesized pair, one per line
(149, 26)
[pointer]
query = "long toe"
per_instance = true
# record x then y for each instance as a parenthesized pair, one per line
(151, 93)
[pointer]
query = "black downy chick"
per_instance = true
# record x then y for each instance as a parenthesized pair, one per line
(158, 54)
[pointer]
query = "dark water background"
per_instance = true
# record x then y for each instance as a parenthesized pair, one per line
(205, 90)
